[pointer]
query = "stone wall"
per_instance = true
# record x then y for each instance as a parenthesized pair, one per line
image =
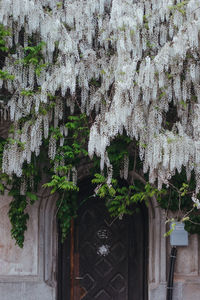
(30, 273)
(187, 276)
(13, 260)
(187, 266)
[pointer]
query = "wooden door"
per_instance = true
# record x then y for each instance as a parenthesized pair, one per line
(108, 258)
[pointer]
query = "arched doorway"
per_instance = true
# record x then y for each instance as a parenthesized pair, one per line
(104, 258)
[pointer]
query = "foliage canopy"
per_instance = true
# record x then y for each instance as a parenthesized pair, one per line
(116, 81)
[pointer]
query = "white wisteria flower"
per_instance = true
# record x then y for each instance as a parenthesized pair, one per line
(196, 201)
(129, 63)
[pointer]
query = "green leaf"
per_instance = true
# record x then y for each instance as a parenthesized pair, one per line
(32, 197)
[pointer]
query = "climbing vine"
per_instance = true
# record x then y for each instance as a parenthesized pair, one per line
(120, 197)
(113, 85)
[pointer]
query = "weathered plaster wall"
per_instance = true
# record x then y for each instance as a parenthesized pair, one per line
(26, 291)
(29, 273)
(187, 275)
(13, 260)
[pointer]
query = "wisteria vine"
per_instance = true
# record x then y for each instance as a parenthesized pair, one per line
(131, 68)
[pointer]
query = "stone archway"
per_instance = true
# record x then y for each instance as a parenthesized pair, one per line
(49, 252)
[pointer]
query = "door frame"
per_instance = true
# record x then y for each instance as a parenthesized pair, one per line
(67, 284)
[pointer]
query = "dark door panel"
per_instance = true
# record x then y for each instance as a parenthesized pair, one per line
(109, 258)
(103, 248)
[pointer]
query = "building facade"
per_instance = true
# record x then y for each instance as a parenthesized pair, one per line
(32, 272)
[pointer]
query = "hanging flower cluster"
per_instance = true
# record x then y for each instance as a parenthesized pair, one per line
(131, 63)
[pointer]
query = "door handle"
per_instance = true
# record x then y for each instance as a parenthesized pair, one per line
(78, 278)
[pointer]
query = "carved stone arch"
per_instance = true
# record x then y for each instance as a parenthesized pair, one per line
(48, 245)
(48, 238)
(157, 252)
(157, 246)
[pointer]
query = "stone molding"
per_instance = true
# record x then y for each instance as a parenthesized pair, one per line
(157, 250)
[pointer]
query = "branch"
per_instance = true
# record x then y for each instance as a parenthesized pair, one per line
(134, 175)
